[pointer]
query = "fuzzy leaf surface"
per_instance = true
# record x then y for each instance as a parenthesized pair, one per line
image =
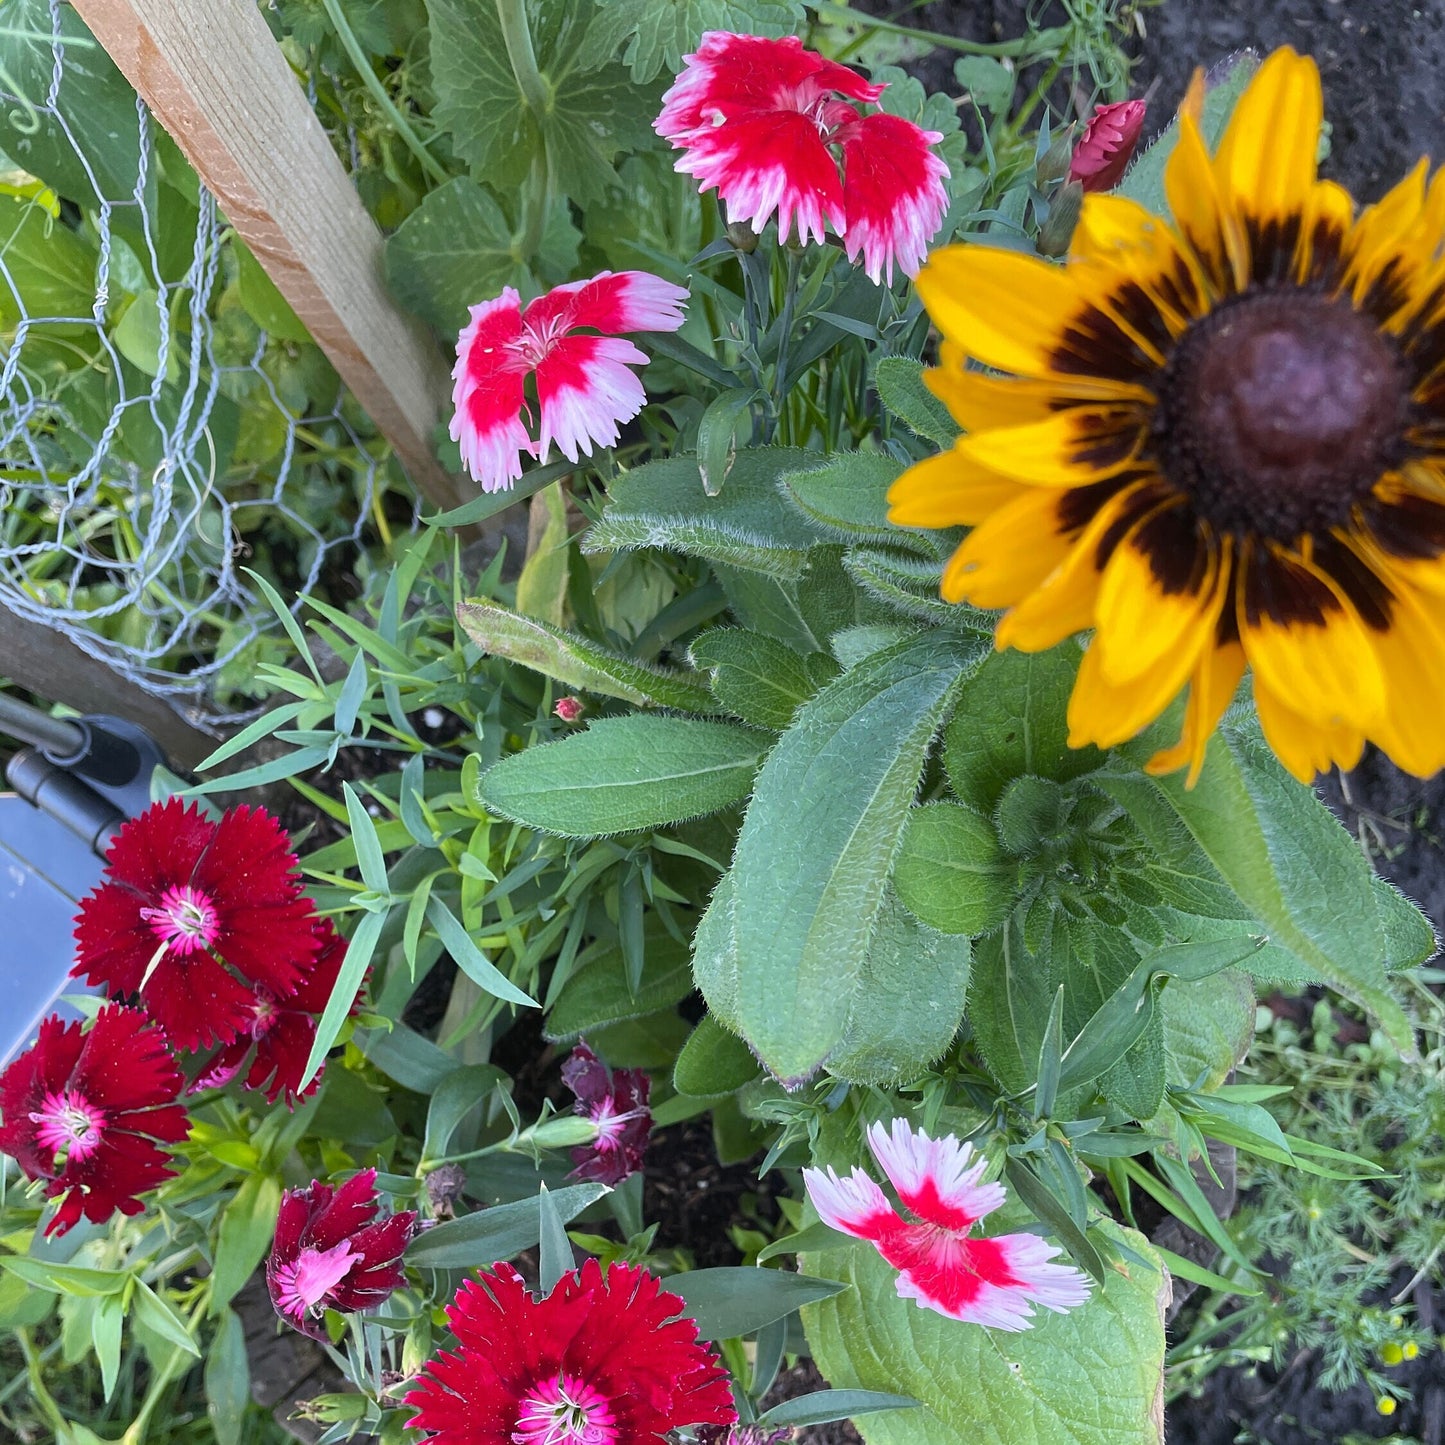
(659, 33)
(819, 840)
(623, 774)
(747, 525)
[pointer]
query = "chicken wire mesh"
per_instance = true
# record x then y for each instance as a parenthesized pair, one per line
(165, 423)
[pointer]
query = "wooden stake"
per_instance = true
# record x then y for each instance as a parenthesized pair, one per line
(212, 74)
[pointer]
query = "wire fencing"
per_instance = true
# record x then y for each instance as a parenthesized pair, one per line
(165, 423)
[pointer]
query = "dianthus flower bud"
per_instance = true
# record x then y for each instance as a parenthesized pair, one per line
(569, 709)
(1107, 145)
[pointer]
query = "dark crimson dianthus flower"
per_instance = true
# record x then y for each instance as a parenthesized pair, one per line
(87, 1111)
(282, 1029)
(193, 915)
(602, 1360)
(1107, 145)
(616, 1102)
(775, 127)
(331, 1251)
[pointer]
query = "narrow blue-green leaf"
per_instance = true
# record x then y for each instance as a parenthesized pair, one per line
(157, 1315)
(1050, 1059)
(274, 771)
(228, 1380)
(556, 1249)
(287, 620)
(734, 1300)
(825, 1406)
(716, 447)
(502, 1232)
(348, 984)
(369, 857)
(263, 727)
(470, 959)
(349, 699)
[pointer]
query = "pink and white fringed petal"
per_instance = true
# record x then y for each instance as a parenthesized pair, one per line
(853, 1205)
(994, 1282)
(761, 122)
(584, 389)
(938, 1179)
(893, 193)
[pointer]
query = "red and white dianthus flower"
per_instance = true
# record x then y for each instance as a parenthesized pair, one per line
(602, 1360)
(582, 383)
(777, 128)
(88, 1110)
(193, 915)
(332, 1252)
(987, 1281)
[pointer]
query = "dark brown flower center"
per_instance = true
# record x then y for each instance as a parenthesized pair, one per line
(1278, 411)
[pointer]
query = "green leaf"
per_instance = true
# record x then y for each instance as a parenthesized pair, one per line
(160, 1317)
(470, 959)
(555, 1256)
(818, 844)
(734, 1300)
(845, 497)
(717, 435)
(1091, 1377)
(950, 871)
(756, 677)
(262, 302)
(463, 1090)
(359, 952)
(400, 1053)
(247, 1224)
(660, 32)
(591, 113)
(1207, 1028)
(910, 585)
(1293, 866)
(623, 774)
(907, 1003)
(107, 1320)
(901, 385)
(1010, 720)
(663, 504)
(228, 1380)
(598, 995)
(576, 662)
(824, 1406)
(457, 249)
(71, 1279)
(713, 1061)
(478, 1240)
(50, 269)
(989, 83)
(1409, 935)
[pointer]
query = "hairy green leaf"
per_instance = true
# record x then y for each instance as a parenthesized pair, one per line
(901, 384)
(951, 872)
(845, 497)
(599, 995)
(659, 33)
(624, 774)
(756, 677)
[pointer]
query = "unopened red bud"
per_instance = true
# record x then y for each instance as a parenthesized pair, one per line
(1107, 145)
(569, 709)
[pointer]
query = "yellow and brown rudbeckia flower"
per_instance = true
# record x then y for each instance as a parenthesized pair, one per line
(1222, 443)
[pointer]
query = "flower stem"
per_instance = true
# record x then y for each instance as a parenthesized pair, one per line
(785, 337)
(372, 81)
(517, 36)
(1023, 45)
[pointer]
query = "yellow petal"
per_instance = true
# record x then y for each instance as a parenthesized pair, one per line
(1322, 666)
(1203, 216)
(1380, 230)
(1303, 745)
(1140, 623)
(1072, 448)
(976, 401)
(1211, 690)
(1412, 652)
(1328, 218)
(1266, 160)
(1005, 557)
(1115, 232)
(1062, 602)
(948, 490)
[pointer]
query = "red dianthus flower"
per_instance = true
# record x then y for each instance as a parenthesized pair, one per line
(616, 1102)
(602, 1360)
(1107, 145)
(331, 1251)
(88, 1111)
(282, 1029)
(775, 127)
(193, 915)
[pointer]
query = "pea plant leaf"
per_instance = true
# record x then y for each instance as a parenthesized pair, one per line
(812, 861)
(1043, 1386)
(660, 32)
(590, 115)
